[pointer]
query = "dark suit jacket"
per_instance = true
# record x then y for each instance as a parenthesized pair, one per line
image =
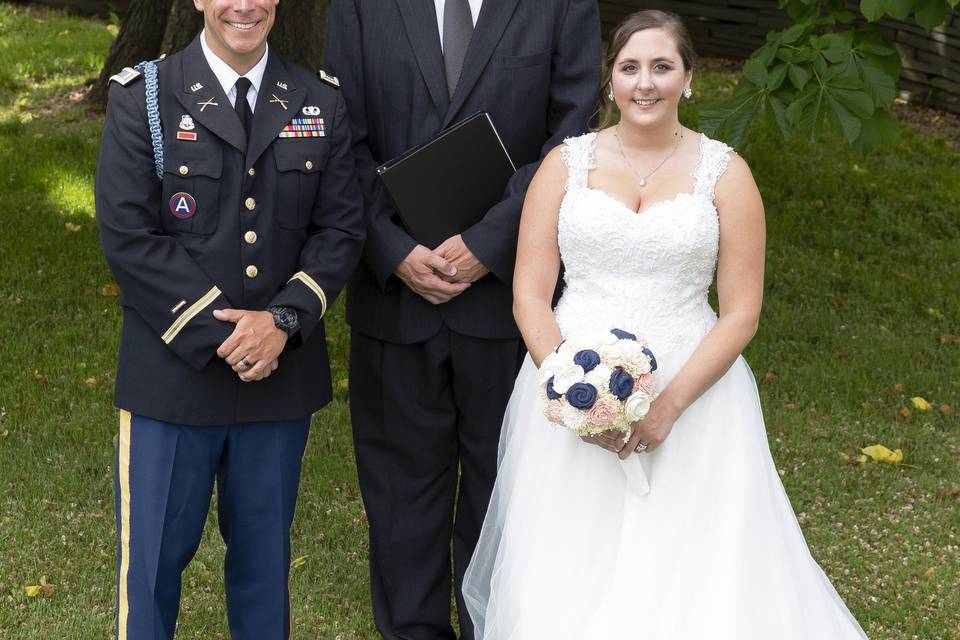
(288, 206)
(534, 65)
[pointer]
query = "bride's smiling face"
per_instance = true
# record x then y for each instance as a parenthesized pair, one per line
(649, 78)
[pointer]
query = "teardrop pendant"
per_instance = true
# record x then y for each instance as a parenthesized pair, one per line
(643, 182)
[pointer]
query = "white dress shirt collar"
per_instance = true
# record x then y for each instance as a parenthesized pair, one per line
(227, 77)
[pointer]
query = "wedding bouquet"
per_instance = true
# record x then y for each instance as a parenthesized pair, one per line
(599, 382)
(596, 383)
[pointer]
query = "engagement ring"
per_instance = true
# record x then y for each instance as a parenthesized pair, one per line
(641, 447)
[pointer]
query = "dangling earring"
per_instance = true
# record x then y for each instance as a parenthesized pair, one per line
(687, 93)
(610, 94)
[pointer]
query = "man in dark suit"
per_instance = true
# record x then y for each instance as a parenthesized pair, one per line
(434, 346)
(228, 210)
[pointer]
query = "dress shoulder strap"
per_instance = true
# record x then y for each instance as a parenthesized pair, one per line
(577, 156)
(714, 158)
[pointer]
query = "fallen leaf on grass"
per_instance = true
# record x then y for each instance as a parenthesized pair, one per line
(880, 453)
(921, 404)
(949, 337)
(110, 291)
(91, 382)
(934, 313)
(4, 434)
(904, 414)
(768, 377)
(848, 459)
(949, 492)
(790, 406)
(298, 562)
(41, 378)
(73, 229)
(35, 590)
(947, 410)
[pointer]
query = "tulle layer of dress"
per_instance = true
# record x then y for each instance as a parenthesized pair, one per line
(569, 552)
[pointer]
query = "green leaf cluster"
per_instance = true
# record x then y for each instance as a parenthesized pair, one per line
(826, 70)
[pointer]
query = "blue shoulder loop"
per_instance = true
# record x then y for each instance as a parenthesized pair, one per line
(149, 70)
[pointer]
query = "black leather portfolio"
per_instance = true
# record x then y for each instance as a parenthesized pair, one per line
(446, 185)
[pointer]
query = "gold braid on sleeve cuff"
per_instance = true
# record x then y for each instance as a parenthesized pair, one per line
(189, 314)
(311, 284)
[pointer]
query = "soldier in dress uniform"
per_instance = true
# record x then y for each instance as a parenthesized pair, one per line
(227, 263)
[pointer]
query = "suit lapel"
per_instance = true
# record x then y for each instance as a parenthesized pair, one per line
(420, 22)
(491, 23)
(278, 102)
(203, 98)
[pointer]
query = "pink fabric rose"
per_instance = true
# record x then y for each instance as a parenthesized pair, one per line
(604, 411)
(554, 411)
(645, 383)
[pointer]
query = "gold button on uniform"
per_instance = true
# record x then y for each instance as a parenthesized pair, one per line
(251, 172)
(308, 164)
(184, 169)
(250, 203)
(252, 271)
(250, 237)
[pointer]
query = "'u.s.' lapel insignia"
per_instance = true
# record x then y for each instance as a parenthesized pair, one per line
(196, 87)
(282, 85)
(183, 205)
(186, 123)
(311, 111)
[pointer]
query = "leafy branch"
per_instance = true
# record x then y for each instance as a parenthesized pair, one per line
(826, 70)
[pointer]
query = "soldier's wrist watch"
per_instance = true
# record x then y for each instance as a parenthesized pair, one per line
(286, 319)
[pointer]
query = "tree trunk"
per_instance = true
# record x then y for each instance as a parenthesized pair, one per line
(155, 27)
(139, 39)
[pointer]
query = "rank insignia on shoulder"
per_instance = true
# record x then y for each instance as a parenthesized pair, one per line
(125, 77)
(329, 79)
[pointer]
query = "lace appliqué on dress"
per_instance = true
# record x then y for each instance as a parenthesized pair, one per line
(577, 156)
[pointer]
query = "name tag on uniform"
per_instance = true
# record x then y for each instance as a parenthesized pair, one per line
(304, 128)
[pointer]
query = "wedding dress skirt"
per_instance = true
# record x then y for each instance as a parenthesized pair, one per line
(568, 550)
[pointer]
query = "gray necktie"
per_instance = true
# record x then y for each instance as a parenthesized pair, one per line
(457, 29)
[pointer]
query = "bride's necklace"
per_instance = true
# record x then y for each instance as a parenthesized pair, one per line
(643, 179)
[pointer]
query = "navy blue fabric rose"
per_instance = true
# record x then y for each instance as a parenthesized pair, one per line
(623, 335)
(553, 395)
(653, 361)
(621, 384)
(581, 395)
(588, 359)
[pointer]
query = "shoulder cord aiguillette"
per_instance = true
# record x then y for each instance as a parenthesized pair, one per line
(149, 70)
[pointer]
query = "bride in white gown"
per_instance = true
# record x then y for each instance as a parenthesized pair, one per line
(642, 214)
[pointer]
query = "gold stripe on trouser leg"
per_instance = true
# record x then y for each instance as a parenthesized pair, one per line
(124, 473)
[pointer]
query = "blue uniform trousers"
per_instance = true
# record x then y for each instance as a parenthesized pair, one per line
(164, 482)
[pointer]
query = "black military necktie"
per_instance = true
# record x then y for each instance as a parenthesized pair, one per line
(457, 29)
(241, 105)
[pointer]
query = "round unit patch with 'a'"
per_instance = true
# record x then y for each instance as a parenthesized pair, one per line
(183, 205)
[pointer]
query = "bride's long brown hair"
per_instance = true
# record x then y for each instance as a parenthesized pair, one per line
(639, 21)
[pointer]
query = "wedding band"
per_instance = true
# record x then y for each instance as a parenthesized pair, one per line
(641, 447)
(245, 362)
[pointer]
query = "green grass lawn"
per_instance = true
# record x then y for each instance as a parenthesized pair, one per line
(861, 315)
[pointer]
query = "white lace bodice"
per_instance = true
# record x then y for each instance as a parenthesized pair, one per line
(648, 273)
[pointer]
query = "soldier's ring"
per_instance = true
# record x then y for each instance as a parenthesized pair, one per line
(245, 362)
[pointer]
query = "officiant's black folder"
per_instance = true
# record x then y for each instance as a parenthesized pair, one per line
(447, 184)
